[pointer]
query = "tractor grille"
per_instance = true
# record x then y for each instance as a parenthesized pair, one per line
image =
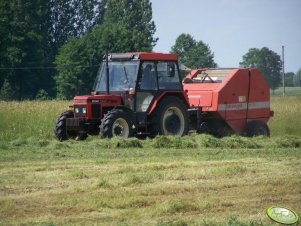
(96, 110)
(80, 110)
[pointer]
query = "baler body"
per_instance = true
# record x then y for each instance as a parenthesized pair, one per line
(236, 96)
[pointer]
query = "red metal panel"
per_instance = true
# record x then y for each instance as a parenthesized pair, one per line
(237, 125)
(199, 94)
(259, 100)
(158, 56)
(101, 100)
(199, 98)
(237, 95)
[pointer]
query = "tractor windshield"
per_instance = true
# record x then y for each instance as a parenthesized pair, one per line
(122, 76)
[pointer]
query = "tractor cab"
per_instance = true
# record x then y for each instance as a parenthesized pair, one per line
(139, 79)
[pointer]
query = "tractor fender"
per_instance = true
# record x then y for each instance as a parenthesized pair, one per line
(178, 94)
(122, 107)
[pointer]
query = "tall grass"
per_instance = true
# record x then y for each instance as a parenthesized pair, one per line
(37, 118)
(289, 91)
(29, 118)
(287, 116)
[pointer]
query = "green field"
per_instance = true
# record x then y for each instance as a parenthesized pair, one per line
(194, 180)
(289, 91)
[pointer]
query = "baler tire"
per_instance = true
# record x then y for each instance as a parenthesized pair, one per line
(203, 128)
(60, 131)
(159, 119)
(257, 128)
(117, 122)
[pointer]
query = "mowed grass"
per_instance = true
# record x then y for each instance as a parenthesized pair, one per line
(221, 181)
(194, 180)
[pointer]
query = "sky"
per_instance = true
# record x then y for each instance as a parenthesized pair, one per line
(232, 27)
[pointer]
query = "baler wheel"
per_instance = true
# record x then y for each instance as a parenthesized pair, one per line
(117, 122)
(203, 128)
(257, 128)
(170, 118)
(60, 131)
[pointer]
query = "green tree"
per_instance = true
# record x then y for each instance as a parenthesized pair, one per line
(72, 18)
(6, 92)
(135, 15)
(297, 78)
(289, 79)
(267, 61)
(24, 28)
(31, 33)
(42, 95)
(127, 27)
(192, 53)
(79, 60)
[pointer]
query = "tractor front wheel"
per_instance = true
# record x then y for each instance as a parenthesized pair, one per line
(170, 118)
(117, 122)
(257, 128)
(61, 132)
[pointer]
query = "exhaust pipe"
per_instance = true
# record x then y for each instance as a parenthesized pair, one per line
(107, 74)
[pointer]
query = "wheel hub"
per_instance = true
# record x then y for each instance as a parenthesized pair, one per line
(120, 128)
(173, 124)
(173, 121)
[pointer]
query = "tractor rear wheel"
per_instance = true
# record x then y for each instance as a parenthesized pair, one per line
(60, 131)
(170, 118)
(257, 128)
(117, 122)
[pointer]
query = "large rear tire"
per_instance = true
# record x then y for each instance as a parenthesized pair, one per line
(61, 132)
(170, 118)
(117, 122)
(257, 128)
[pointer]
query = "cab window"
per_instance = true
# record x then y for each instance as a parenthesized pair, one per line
(168, 76)
(148, 76)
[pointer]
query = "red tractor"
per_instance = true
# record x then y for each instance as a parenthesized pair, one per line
(142, 94)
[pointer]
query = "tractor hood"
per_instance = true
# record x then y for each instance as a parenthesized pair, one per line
(94, 106)
(116, 99)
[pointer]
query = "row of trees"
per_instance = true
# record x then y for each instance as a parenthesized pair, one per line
(32, 31)
(54, 48)
(270, 65)
(292, 79)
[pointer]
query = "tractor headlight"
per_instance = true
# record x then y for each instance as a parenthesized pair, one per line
(80, 110)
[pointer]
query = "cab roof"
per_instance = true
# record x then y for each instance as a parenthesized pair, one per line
(143, 56)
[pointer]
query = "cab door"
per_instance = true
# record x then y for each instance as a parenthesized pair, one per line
(147, 89)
